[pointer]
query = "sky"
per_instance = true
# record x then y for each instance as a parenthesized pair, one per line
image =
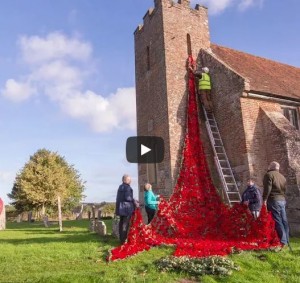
(67, 77)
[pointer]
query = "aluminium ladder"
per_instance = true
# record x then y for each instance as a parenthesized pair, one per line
(221, 160)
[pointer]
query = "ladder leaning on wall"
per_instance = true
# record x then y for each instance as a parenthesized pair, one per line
(221, 160)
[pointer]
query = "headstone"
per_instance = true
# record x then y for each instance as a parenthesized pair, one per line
(2, 215)
(101, 228)
(92, 225)
(115, 227)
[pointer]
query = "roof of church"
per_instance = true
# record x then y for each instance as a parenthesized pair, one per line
(265, 76)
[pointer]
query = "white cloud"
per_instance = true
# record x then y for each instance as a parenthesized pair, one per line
(58, 71)
(218, 6)
(17, 91)
(55, 45)
(103, 114)
(58, 68)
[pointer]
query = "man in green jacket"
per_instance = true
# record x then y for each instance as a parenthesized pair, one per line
(274, 198)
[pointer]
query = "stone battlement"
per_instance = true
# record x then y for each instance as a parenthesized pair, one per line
(180, 4)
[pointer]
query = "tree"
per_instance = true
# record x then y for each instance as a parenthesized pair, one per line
(45, 182)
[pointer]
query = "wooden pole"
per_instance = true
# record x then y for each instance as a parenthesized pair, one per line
(59, 214)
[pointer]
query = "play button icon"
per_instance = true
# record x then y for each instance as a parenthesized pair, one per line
(145, 149)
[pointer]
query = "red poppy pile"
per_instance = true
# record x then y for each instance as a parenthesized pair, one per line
(1, 205)
(195, 220)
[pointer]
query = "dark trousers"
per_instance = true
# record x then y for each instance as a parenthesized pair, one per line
(150, 213)
(277, 209)
(205, 98)
(123, 228)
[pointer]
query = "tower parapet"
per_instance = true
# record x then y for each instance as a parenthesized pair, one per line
(180, 4)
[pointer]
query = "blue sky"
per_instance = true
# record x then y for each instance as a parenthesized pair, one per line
(67, 77)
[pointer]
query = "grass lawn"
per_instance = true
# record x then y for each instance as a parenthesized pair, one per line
(32, 253)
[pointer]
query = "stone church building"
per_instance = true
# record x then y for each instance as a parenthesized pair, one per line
(256, 102)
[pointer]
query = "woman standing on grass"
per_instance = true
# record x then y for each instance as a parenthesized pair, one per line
(151, 201)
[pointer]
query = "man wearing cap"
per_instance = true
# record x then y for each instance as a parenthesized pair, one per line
(204, 87)
(274, 198)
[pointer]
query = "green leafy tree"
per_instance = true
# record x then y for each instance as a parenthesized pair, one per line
(47, 181)
(108, 208)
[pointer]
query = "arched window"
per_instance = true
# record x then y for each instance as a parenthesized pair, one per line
(189, 44)
(148, 58)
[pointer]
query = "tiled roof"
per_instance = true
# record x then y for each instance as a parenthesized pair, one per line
(265, 76)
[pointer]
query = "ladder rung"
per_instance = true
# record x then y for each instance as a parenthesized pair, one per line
(235, 201)
(226, 176)
(218, 146)
(224, 168)
(232, 192)
(221, 153)
(230, 184)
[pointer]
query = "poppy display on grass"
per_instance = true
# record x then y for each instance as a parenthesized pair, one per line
(195, 220)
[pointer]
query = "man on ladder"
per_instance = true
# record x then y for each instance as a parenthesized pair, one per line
(204, 86)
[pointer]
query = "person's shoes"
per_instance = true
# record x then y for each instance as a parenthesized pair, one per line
(276, 249)
(285, 247)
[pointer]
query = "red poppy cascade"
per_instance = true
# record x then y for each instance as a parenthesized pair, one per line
(1, 205)
(195, 220)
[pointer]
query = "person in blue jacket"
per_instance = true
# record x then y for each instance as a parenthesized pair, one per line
(252, 198)
(151, 201)
(125, 205)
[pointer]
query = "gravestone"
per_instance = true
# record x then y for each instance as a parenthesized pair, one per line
(92, 225)
(2, 215)
(115, 227)
(101, 228)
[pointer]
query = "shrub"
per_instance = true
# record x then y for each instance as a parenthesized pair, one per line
(197, 266)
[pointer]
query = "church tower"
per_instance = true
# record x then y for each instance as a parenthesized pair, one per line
(170, 31)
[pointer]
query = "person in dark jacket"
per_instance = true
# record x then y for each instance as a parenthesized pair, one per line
(274, 198)
(252, 198)
(125, 205)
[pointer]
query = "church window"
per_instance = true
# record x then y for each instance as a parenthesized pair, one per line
(292, 115)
